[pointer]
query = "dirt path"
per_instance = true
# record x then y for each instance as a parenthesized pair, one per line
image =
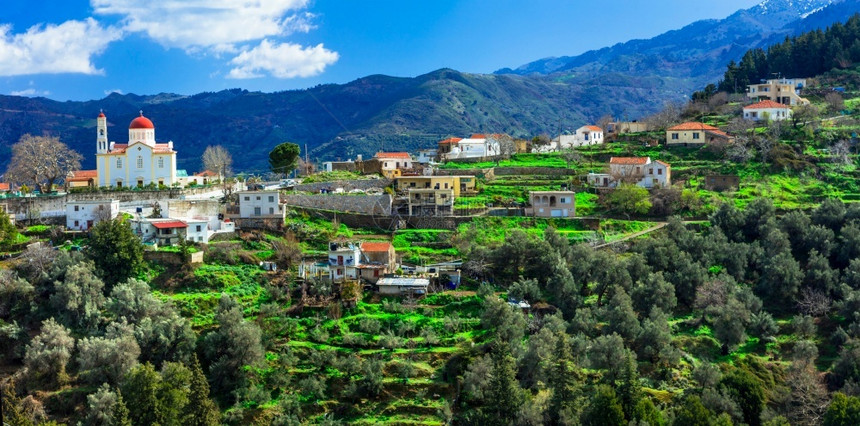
(637, 234)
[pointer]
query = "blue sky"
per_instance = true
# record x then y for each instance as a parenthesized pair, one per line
(85, 49)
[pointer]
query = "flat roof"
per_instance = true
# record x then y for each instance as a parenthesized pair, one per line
(170, 224)
(404, 282)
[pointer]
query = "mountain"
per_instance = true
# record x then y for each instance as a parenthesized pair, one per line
(698, 52)
(334, 121)
(628, 80)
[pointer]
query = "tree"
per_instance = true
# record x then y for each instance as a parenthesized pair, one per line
(217, 159)
(8, 232)
(79, 297)
(49, 353)
(748, 392)
(106, 408)
(803, 114)
(629, 199)
(115, 250)
(141, 388)
(284, 157)
(110, 357)
(201, 410)
(564, 381)
(504, 396)
(834, 102)
(604, 409)
(843, 411)
(12, 408)
(42, 161)
(235, 344)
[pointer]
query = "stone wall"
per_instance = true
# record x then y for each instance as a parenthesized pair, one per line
(171, 258)
(548, 171)
(347, 185)
(388, 223)
(194, 208)
(484, 173)
(364, 204)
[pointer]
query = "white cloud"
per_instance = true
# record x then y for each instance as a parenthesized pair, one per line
(108, 92)
(286, 60)
(53, 49)
(29, 92)
(218, 24)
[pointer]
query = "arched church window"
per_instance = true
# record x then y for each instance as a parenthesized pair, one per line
(139, 162)
(119, 163)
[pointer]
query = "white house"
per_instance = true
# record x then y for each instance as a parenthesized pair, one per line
(139, 162)
(767, 110)
(164, 232)
(83, 215)
(344, 260)
(426, 156)
(263, 204)
(477, 146)
(584, 136)
(403, 286)
(636, 170)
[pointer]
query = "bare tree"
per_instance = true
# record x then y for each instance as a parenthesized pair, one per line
(803, 114)
(764, 146)
(217, 159)
(739, 152)
(669, 115)
(814, 303)
(719, 99)
(307, 167)
(571, 157)
(627, 174)
(42, 160)
(834, 101)
(603, 121)
(506, 145)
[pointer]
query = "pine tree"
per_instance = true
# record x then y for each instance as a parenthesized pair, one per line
(504, 397)
(563, 380)
(120, 411)
(201, 410)
(13, 415)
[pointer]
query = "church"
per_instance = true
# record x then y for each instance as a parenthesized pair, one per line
(139, 162)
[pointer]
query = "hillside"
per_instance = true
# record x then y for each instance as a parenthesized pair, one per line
(696, 53)
(335, 121)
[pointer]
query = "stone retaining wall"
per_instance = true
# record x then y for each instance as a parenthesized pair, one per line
(347, 185)
(363, 204)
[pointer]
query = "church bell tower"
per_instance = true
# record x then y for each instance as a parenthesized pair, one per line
(102, 138)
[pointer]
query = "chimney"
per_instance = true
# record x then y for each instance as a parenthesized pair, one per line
(358, 157)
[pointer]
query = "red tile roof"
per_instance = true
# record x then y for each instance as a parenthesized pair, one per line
(4, 186)
(170, 224)
(478, 136)
(118, 148)
(628, 161)
(767, 104)
(206, 173)
(82, 175)
(375, 247)
(663, 163)
(450, 140)
(717, 132)
(593, 128)
(162, 147)
(693, 126)
(402, 155)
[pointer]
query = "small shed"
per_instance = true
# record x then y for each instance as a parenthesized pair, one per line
(403, 286)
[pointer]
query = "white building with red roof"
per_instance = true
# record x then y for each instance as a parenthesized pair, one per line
(767, 110)
(478, 145)
(393, 163)
(139, 162)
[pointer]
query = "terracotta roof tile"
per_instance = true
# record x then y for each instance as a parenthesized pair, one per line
(450, 140)
(206, 173)
(4, 186)
(663, 163)
(84, 174)
(402, 155)
(593, 128)
(767, 104)
(629, 160)
(375, 247)
(693, 126)
(170, 224)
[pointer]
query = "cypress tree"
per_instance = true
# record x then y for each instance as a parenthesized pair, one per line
(201, 410)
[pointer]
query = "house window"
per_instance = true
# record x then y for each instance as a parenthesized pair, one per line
(198, 228)
(271, 198)
(76, 223)
(200, 239)
(247, 198)
(446, 185)
(119, 163)
(271, 210)
(651, 171)
(258, 198)
(77, 208)
(695, 135)
(139, 162)
(160, 162)
(659, 171)
(258, 211)
(674, 136)
(562, 200)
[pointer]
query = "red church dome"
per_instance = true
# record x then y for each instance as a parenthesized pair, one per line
(141, 123)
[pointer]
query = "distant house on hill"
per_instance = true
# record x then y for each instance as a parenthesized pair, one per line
(552, 204)
(783, 90)
(767, 110)
(616, 128)
(394, 163)
(694, 133)
(478, 145)
(640, 171)
(584, 136)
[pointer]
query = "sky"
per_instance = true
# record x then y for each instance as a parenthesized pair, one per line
(87, 49)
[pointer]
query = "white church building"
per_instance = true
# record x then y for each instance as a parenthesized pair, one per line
(139, 162)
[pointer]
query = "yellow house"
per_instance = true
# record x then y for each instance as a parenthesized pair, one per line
(456, 183)
(695, 133)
